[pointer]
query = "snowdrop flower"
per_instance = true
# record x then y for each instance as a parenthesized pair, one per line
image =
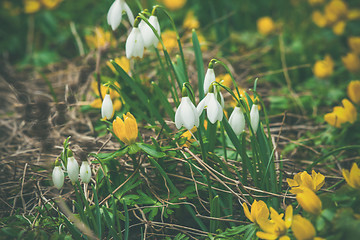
(72, 169)
(58, 177)
(254, 117)
(214, 109)
(134, 46)
(186, 114)
(209, 78)
(237, 121)
(148, 34)
(115, 13)
(85, 172)
(107, 110)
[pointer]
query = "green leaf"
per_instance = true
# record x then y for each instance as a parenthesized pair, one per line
(151, 150)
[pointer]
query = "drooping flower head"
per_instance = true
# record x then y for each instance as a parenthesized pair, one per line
(309, 201)
(85, 172)
(186, 114)
(58, 177)
(126, 130)
(134, 46)
(72, 168)
(107, 110)
(213, 107)
(303, 179)
(147, 33)
(115, 13)
(209, 77)
(237, 120)
(254, 117)
(353, 177)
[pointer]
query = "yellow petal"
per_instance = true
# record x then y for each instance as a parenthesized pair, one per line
(306, 180)
(31, 6)
(119, 129)
(353, 90)
(309, 201)
(268, 236)
(346, 175)
(267, 225)
(288, 216)
(355, 175)
(117, 104)
(350, 110)
(247, 212)
(96, 103)
(351, 62)
(302, 228)
(265, 25)
(318, 180)
(339, 27)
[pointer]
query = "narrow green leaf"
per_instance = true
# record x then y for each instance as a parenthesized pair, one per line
(151, 150)
(199, 64)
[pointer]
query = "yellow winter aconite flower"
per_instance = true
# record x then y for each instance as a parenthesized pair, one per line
(100, 39)
(319, 19)
(51, 4)
(123, 62)
(341, 115)
(174, 4)
(335, 11)
(309, 201)
(259, 210)
(127, 130)
(188, 136)
(353, 91)
(303, 229)
(265, 25)
(354, 43)
(191, 22)
(114, 95)
(324, 68)
(31, 6)
(353, 177)
(170, 40)
(353, 14)
(276, 227)
(225, 80)
(339, 27)
(351, 62)
(304, 180)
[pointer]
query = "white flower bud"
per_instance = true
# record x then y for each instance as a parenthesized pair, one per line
(58, 177)
(107, 107)
(85, 172)
(72, 169)
(237, 121)
(254, 117)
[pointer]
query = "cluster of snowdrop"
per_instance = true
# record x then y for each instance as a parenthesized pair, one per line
(188, 115)
(142, 35)
(72, 169)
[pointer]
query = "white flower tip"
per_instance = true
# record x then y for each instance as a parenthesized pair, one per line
(107, 109)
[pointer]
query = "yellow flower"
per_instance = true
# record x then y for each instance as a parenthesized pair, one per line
(303, 229)
(188, 136)
(170, 40)
(341, 115)
(276, 227)
(31, 6)
(303, 179)
(174, 4)
(324, 68)
(51, 4)
(8, 6)
(316, 2)
(319, 19)
(353, 177)
(127, 130)
(225, 78)
(335, 11)
(353, 14)
(233, 103)
(309, 201)
(191, 21)
(265, 25)
(100, 39)
(339, 27)
(353, 91)
(123, 62)
(354, 43)
(351, 62)
(259, 210)
(114, 95)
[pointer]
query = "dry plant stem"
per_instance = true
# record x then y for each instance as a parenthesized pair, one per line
(117, 189)
(241, 197)
(22, 188)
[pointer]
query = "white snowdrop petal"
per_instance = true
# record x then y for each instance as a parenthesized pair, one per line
(237, 121)
(254, 117)
(129, 13)
(72, 169)
(178, 118)
(85, 172)
(212, 109)
(107, 109)
(202, 105)
(115, 14)
(130, 44)
(58, 177)
(209, 78)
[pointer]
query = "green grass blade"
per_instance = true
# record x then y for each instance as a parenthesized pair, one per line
(199, 64)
